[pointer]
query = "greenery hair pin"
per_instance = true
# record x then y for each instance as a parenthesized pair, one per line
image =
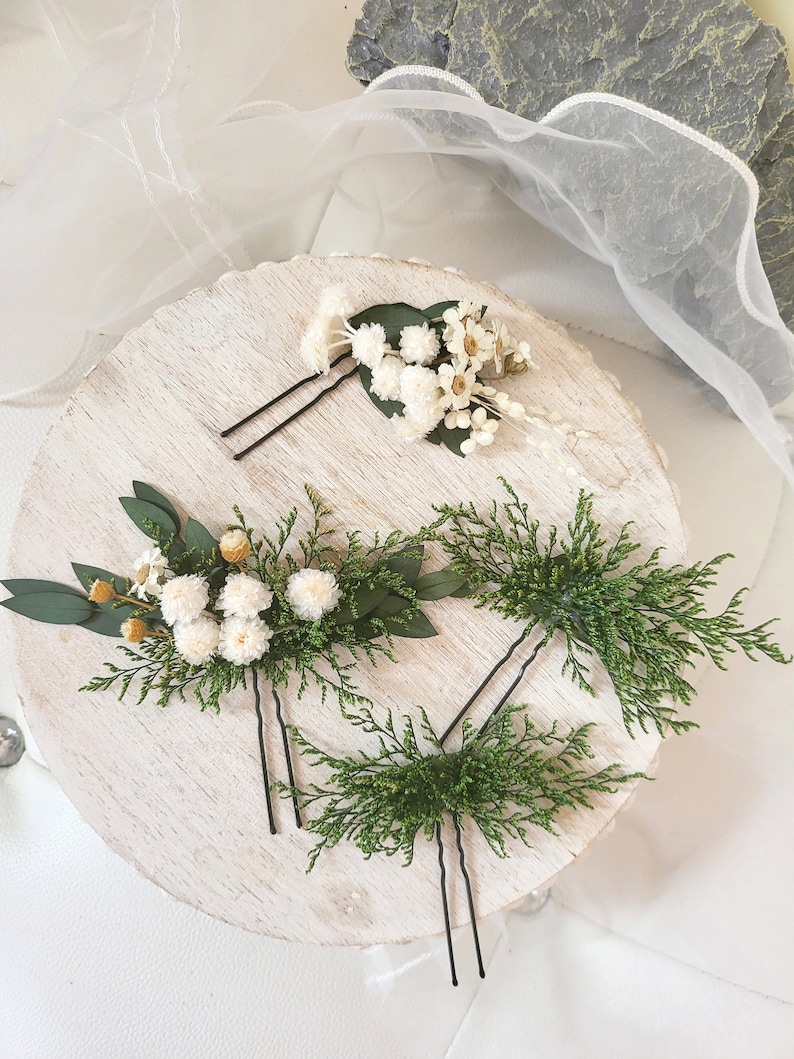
(646, 623)
(430, 371)
(196, 613)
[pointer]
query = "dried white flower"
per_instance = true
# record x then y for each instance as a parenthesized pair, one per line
(456, 381)
(464, 310)
(244, 640)
(148, 574)
(470, 343)
(455, 419)
(412, 429)
(482, 431)
(419, 387)
(184, 598)
(335, 303)
(368, 344)
(418, 344)
(244, 596)
(312, 593)
(386, 378)
(314, 347)
(234, 546)
(197, 640)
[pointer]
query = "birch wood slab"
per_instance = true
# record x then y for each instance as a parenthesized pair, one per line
(178, 793)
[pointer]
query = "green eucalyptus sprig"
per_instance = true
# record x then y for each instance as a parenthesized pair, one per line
(505, 778)
(646, 623)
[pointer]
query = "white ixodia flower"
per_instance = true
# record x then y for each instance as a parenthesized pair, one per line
(368, 344)
(456, 381)
(197, 640)
(148, 574)
(244, 640)
(418, 344)
(184, 598)
(386, 378)
(464, 310)
(470, 343)
(312, 593)
(244, 596)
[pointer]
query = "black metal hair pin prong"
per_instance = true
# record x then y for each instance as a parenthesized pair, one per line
(272, 403)
(445, 905)
(464, 710)
(265, 777)
(296, 415)
(288, 756)
(469, 896)
(524, 667)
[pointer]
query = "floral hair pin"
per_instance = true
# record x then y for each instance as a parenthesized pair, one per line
(430, 371)
(646, 623)
(197, 613)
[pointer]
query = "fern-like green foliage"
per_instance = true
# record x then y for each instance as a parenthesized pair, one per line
(506, 778)
(646, 623)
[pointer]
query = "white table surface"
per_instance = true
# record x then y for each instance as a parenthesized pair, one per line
(672, 938)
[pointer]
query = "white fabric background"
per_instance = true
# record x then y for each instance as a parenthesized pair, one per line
(672, 938)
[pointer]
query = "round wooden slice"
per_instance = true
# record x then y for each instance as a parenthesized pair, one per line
(179, 793)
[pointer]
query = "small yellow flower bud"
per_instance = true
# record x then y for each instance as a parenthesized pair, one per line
(102, 592)
(234, 546)
(134, 630)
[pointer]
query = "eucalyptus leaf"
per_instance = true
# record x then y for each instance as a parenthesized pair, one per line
(366, 600)
(88, 574)
(145, 492)
(418, 628)
(440, 583)
(143, 511)
(25, 586)
(407, 563)
(390, 606)
(54, 608)
(452, 438)
(198, 537)
(393, 318)
(432, 312)
(107, 622)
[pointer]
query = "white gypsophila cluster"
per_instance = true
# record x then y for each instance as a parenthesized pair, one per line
(149, 571)
(386, 378)
(317, 343)
(183, 598)
(368, 345)
(419, 344)
(312, 593)
(243, 596)
(197, 640)
(421, 395)
(244, 640)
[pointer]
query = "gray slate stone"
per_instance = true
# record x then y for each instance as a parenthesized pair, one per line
(709, 63)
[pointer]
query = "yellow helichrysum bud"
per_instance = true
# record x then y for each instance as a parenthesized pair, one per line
(102, 592)
(134, 630)
(234, 546)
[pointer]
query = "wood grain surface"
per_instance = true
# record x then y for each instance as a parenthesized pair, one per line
(178, 793)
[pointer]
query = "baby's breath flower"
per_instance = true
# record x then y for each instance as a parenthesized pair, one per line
(368, 344)
(335, 303)
(234, 546)
(314, 347)
(244, 640)
(419, 423)
(149, 571)
(418, 389)
(386, 378)
(134, 630)
(312, 593)
(101, 592)
(184, 598)
(197, 640)
(244, 596)
(418, 344)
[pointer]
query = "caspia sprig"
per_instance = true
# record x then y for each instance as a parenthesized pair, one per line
(505, 778)
(646, 623)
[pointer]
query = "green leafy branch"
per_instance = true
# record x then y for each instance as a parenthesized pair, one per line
(506, 779)
(646, 623)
